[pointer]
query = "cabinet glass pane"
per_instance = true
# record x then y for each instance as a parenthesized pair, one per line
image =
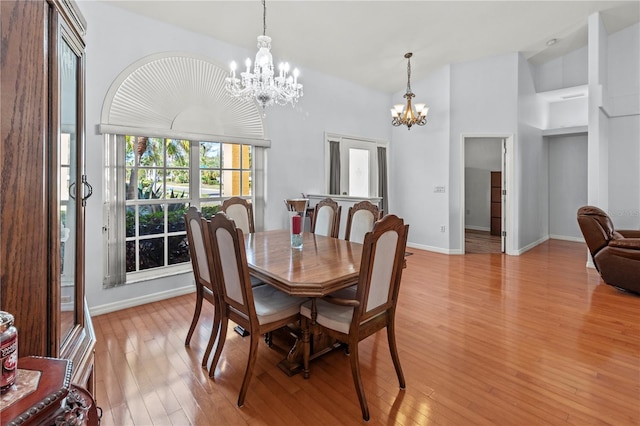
(69, 186)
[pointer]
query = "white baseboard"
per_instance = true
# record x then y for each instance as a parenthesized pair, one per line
(477, 228)
(530, 246)
(434, 249)
(142, 300)
(566, 238)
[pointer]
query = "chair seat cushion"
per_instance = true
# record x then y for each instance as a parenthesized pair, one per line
(334, 317)
(273, 305)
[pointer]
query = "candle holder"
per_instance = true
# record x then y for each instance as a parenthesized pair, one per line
(296, 224)
(297, 209)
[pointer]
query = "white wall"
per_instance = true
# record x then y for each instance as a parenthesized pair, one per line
(419, 160)
(483, 101)
(569, 113)
(623, 106)
(116, 38)
(295, 161)
(531, 166)
(598, 141)
(566, 71)
(567, 184)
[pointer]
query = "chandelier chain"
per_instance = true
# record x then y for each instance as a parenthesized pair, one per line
(409, 75)
(264, 17)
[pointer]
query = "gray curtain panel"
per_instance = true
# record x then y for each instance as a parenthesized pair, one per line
(334, 167)
(382, 178)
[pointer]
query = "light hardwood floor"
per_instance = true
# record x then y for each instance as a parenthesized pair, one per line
(481, 242)
(483, 339)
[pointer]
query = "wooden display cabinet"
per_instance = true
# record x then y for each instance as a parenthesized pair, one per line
(44, 189)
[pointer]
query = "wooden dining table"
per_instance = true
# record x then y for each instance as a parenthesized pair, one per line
(322, 266)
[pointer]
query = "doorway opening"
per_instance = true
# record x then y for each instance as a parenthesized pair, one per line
(485, 178)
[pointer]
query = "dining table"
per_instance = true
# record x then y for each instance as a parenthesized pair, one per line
(323, 265)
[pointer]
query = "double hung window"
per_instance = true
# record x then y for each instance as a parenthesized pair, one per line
(158, 180)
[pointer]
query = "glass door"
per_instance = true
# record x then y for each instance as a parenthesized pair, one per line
(69, 184)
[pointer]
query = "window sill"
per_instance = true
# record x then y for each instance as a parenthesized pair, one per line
(156, 273)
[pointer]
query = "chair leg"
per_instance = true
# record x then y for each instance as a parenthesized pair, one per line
(306, 345)
(196, 315)
(393, 348)
(215, 333)
(357, 379)
(251, 362)
(224, 323)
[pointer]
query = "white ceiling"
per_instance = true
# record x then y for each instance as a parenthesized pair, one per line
(365, 41)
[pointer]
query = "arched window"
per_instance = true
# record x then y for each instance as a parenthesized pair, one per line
(173, 138)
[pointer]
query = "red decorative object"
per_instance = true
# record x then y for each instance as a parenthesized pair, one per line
(296, 224)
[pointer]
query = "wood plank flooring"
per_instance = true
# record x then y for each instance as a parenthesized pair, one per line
(481, 242)
(483, 339)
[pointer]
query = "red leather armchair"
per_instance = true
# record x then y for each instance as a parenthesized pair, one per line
(615, 253)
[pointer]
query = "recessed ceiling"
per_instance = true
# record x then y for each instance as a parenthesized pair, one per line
(365, 41)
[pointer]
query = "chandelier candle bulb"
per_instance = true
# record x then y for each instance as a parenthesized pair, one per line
(233, 69)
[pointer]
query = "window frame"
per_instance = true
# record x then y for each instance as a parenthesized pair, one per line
(347, 142)
(194, 199)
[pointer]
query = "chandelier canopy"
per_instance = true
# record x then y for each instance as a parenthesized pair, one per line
(405, 114)
(262, 84)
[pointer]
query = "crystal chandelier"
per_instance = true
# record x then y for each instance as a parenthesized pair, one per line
(405, 114)
(262, 84)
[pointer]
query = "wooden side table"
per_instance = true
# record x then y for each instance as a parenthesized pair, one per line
(43, 395)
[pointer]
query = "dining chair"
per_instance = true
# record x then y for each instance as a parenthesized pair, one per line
(352, 320)
(259, 309)
(326, 218)
(205, 289)
(241, 211)
(360, 219)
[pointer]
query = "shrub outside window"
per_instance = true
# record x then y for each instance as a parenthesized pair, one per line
(164, 177)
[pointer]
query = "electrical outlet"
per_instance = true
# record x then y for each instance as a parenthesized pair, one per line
(468, 211)
(443, 228)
